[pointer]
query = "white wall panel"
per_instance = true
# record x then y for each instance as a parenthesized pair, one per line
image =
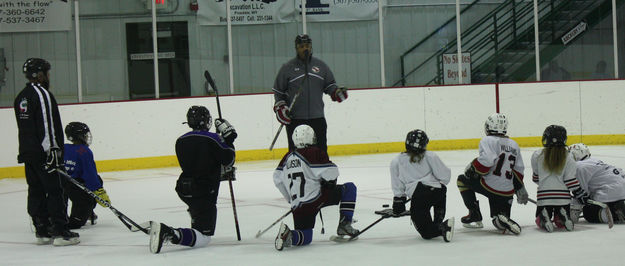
(458, 112)
(531, 107)
(603, 107)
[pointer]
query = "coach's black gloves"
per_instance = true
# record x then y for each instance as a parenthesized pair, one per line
(54, 161)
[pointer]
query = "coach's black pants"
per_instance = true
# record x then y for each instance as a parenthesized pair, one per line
(45, 202)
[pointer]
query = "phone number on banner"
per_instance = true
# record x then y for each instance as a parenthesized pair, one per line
(25, 20)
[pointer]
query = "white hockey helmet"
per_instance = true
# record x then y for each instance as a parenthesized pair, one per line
(496, 123)
(303, 136)
(579, 151)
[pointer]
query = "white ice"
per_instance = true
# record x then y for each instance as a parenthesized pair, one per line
(145, 195)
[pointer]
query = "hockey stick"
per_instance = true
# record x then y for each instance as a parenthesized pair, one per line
(274, 223)
(386, 213)
(273, 142)
(125, 220)
(234, 206)
(606, 208)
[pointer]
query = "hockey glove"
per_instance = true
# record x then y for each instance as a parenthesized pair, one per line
(54, 161)
(227, 173)
(100, 192)
(282, 112)
(339, 95)
(471, 173)
(521, 196)
(226, 130)
(581, 196)
(399, 205)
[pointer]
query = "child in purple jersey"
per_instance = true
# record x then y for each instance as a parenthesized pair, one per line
(206, 159)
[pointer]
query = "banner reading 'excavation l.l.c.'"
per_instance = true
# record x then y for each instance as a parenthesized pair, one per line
(213, 12)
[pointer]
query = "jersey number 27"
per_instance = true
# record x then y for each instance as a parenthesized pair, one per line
(302, 183)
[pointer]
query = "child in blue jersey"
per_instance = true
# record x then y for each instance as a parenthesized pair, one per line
(80, 165)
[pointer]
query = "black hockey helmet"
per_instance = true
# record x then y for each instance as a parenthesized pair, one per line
(554, 136)
(416, 140)
(302, 38)
(198, 117)
(33, 66)
(78, 132)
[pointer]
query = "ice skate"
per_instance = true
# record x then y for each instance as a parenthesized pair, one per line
(43, 238)
(345, 232)
(507, 223)
(284, 237)
(543, 221)
(563, 221)
(473, 219)
(65, 238)
(159, 234)
(447, 229)
(93, 218)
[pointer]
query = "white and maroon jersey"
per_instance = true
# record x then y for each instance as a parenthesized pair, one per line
(299, 175)
(553, 188)
(499, 162)
(604, 182)
(406, 175)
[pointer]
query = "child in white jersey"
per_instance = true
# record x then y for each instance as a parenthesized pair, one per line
(420, 174)
(604, 182)
(496, 173)
(554, 172)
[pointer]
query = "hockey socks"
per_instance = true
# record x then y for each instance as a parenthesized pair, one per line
(348, 201)
(190, 237)
(302, 237)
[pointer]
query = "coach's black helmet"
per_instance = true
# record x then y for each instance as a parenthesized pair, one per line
(33, 66)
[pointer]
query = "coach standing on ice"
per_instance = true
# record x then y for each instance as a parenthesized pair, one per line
(313, 78)
(41, 150)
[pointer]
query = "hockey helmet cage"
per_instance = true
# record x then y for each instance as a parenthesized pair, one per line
(579, 151)
(78, 132)
(198, 117)
(416, 140)
(302, 38)
(496, 123)
(554, 136)
(303, 136)
(33, 66)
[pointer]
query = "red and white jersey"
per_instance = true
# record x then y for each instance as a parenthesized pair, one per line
(604, 182)
(299, 175)
(499, 162)
(406, 175)
(553, 188)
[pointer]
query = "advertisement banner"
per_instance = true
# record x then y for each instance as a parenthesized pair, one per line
(213, 12)
(34, 15)
(450, 68)
(339, 10)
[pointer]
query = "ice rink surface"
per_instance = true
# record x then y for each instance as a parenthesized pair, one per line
(145, 195)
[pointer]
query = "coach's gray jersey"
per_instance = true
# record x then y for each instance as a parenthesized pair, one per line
(291, 78)
(604, 182)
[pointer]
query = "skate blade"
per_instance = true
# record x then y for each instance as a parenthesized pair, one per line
(474, 225)
(342, 239)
